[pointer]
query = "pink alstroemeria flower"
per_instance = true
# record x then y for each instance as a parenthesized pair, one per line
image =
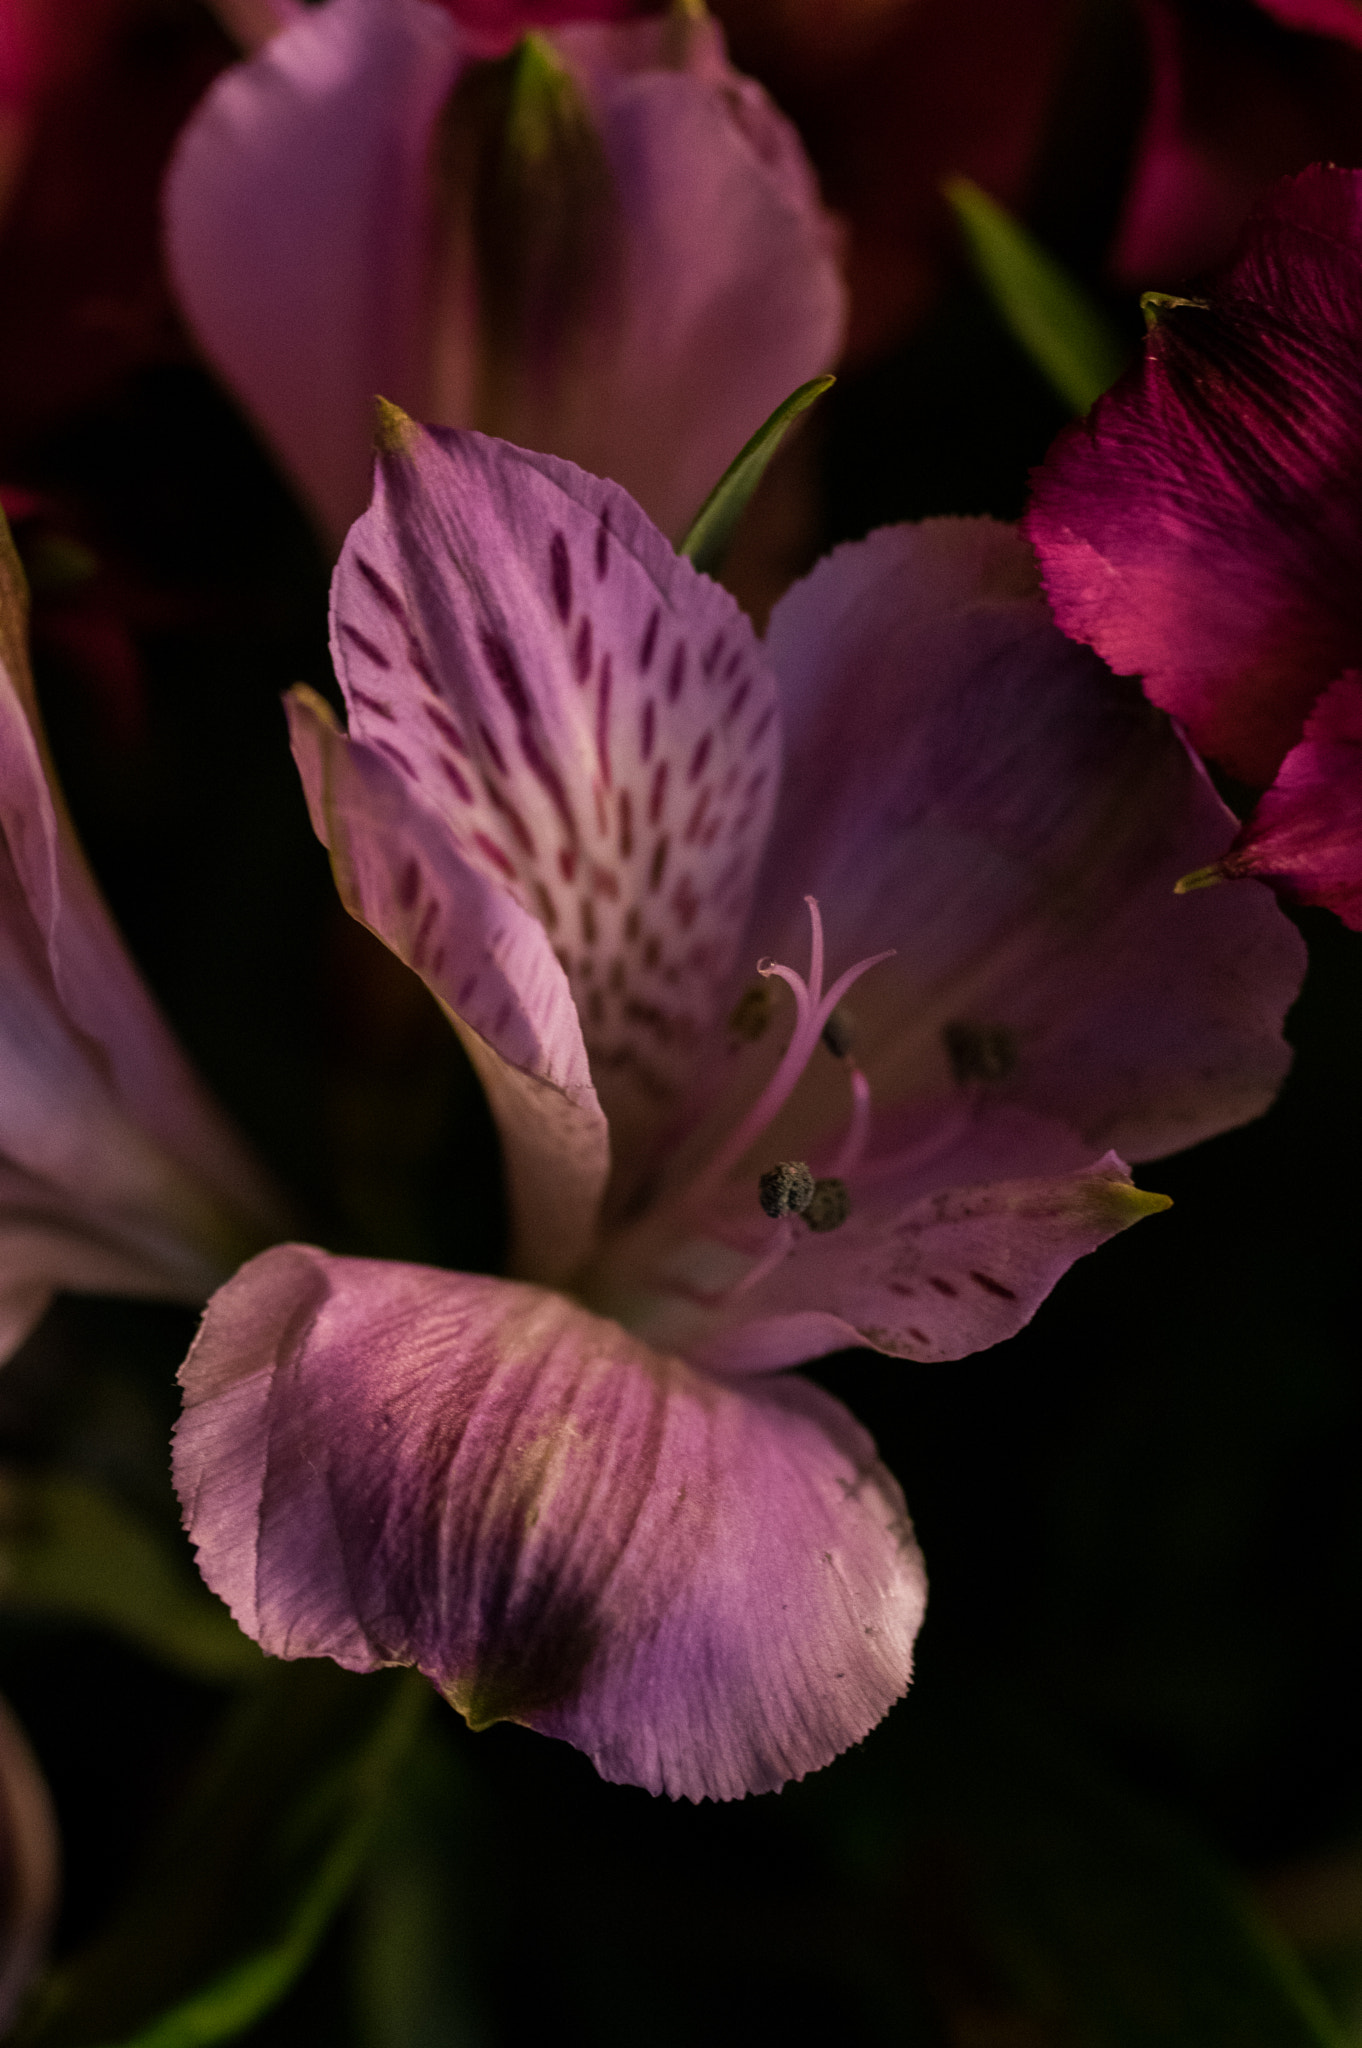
(614, 251)
(884, 905)
(1202, 526)
(117, 1175)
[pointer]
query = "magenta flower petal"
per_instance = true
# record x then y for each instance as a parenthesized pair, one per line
(29, 1856)
(1339, 18)
(1013, 820)
(710, 1589)
(296, 223)
(492, 968)
(590, 722)
(1305, 837)
(116, 1173)
(1201, 527)
(312, 244)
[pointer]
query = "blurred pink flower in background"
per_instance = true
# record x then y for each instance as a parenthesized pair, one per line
(117, 1175)
(608, 245)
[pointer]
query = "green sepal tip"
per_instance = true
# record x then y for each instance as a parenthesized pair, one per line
(710, 533)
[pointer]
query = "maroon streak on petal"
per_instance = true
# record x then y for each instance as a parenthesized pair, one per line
(29, 1857)
(491, 967)
(1305, 837)
(1202, 526)
(458, 607)
(1012, 819)
(710, 1589)
(296, 225)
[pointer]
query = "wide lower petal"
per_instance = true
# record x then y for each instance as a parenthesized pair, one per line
(710, 1589)
(1305, 836)
(589, 722)
(1013, 820)
(1201, 527)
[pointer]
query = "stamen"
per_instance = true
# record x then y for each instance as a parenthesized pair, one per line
(829, 1205)
(853, 1145)
(813, 1010)
(785, 1189)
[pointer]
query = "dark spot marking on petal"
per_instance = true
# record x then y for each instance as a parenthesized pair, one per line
(547, 776)
(658, 792)
(633, 924)
(454, 775)
(649, 644)
(614, 981)
(676, 674)
(503, 665)
(759, 729)
(652, 952)
(605, 882)
(649, 730)
(588, 910)
(548, 909)
(423, 932)
(469, 984)
(603, 719)
(396, 756)
(731, 665)
(602, 547)
(902, 1287)
(595, 1007)
(560, 577)
(446, 728)
(489, 740)
(685, 903)
(367, 647)
(737, 700)
(582, 649)
(697, 817)
(659, 864)
(626, 825)
(519, 829)
(374, 704)
(494, 854)
(409, 884)
(698, 759)
(709, 659)
(943, 1286)
(383, 591)
(992, 1286)
(567, 862)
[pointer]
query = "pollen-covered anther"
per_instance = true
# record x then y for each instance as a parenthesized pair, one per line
(828, 1205)
(786, 1189)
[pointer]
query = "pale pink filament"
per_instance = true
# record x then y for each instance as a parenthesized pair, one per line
(812, 1011)
(853, 1145)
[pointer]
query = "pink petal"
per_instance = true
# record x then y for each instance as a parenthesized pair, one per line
(1305, 837)
(313, 253)
(728, 293)
(943, 1277)
(588, 720)
(296, 223)
(1318, 17)
(490, 965)
(1201, 527)
(1013, 820)
(116, 1173)
(29, 1855)
(709, 1589)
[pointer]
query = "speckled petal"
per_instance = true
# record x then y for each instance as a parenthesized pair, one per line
(590, 721)
(711, 1589)
(1202, 526)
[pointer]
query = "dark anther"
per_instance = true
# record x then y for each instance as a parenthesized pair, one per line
(828, 1206)
(787, 1188)
(839, 1033)
(980, 1052)
(751, 1013)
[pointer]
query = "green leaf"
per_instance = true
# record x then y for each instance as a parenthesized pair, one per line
(242, 1884)
(710, 532)
(70, 1549)
(1107, 1914)
(1066, 336)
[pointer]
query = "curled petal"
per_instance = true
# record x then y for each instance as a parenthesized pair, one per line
(710, 1589)
(587, 722)
(28, 1866)
(116, 1173)
(1201, 527)
(1013, 820)
(489, 964)
(947, 1275)
(1305, 837)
